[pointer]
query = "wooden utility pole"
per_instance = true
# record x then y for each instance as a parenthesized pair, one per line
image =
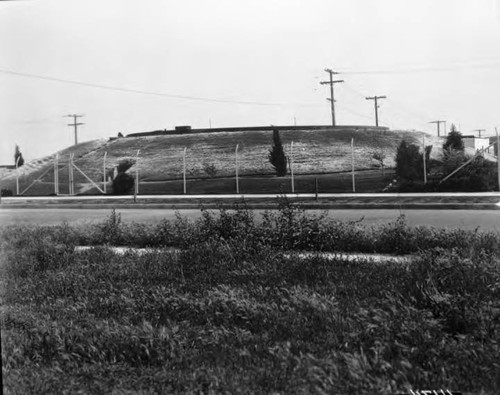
(375, 99)
(439, 123)
(331, 82)
(75, 124)
(479, 130)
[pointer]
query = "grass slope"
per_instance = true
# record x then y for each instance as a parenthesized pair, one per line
(315, 151)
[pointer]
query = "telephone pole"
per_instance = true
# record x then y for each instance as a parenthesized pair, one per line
(375, 99)
(75, 124)
(331, 82)
(479, 130)
(438, 123)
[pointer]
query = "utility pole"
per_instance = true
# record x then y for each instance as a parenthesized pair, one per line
(479, 130)
(438, 123)
(375, 99)
(331, 82)
(75, 124)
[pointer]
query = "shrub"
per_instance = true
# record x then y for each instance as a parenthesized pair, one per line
(407, 161)
(123, 184)
(6, 192)
(210, 169)
(277, 155)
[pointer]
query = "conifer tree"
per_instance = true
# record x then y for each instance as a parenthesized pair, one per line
(277, 155)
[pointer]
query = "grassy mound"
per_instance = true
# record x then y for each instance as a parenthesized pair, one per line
(212, 156)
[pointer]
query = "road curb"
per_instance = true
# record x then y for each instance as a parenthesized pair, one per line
(262, 206)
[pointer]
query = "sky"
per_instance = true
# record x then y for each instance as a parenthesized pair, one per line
(131, 66)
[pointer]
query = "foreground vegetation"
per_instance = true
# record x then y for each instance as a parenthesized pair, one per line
(238, 310)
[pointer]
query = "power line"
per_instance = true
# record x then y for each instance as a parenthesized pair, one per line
(426, 69)
(129, 90)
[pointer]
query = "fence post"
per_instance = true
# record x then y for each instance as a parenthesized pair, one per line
(56, 175)
(352, 166)
(291, 166)
(425, 167)
(236, 163)
(184, 170)
(17, 175)
(70, 174)
(104, 172)
(137, 172)
(498, 156)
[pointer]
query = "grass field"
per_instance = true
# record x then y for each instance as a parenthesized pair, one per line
(161, 157)
(239, 311)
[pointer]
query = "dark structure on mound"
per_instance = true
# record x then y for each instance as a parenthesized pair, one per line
(187, 129)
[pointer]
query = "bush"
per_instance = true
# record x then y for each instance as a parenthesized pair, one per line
(6, 192)
(123, 184)
(408, 161)
(210, 169)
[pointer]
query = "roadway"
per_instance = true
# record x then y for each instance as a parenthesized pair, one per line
(465, 218)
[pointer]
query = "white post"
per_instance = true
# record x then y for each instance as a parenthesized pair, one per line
(137, 172)
(236, 163)
(17, 175)
(70, 173)
(291, 166)
(498, 156)
(184, 169)
(425, 167)
(56, 175)
(104, 172)
(352, 166)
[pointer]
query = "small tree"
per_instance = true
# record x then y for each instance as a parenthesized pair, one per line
(277, 155)
(123, 182)
(454, 140)
(380, 156)
(18, 156)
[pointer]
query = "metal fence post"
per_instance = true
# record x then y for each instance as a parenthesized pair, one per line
(236, 163)
(291, 166)
(184, 169)
(352, 165)
(104, 172)
(137, 172)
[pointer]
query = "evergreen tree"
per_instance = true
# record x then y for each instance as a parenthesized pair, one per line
(454, 140)
(18, 155)
(408, 161)
(277, 155)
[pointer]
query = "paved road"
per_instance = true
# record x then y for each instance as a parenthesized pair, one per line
(465, 219)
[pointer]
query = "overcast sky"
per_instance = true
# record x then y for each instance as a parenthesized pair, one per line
(241, 63)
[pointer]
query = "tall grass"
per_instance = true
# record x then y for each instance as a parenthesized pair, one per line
(232, 313)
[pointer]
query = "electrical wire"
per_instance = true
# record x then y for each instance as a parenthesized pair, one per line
(161, 94)
(457, 66)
